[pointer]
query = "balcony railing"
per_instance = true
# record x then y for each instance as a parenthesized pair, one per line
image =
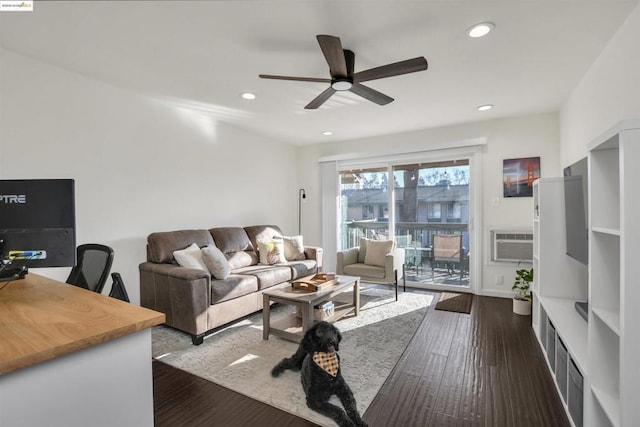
(421, 232)
(417, 240)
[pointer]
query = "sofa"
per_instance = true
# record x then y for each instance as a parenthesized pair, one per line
(197, 299)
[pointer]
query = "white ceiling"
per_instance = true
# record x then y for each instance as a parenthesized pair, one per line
(202, 55)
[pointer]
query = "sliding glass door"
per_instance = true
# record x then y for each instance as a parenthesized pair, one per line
(432, 220)
(424, 207)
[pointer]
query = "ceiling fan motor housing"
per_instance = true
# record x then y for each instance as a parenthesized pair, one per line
(341, 83)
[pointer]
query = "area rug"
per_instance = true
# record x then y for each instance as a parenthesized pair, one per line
(452, 301)
(238, 358)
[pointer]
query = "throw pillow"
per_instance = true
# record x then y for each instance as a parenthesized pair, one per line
(271, 251)
(293, 247)
(376, 251)
(216, 262)
(362, 252)
(190, 257)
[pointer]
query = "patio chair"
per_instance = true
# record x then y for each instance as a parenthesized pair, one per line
(447, 248)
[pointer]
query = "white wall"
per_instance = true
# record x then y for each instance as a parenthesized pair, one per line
(608, 93)
(143, 165)
(506, 138)
(140, 164)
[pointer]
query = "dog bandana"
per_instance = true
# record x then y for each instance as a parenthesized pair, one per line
(329, 362)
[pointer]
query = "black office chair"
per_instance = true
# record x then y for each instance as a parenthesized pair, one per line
(118, 289)
(92, 267)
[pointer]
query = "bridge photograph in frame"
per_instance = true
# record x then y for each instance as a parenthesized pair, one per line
(518, 176)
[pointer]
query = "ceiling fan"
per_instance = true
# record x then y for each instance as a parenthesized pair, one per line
(341, 62)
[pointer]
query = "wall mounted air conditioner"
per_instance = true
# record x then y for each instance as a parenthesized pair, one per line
(512, 246)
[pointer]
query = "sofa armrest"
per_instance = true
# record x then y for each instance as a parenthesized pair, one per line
(393, 262)
(315, 253)
(346, 257)
(182, 294)
(174, 271)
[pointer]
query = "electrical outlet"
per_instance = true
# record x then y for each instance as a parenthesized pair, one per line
(499, 279)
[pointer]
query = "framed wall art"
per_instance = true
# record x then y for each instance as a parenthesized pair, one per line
(518, 176)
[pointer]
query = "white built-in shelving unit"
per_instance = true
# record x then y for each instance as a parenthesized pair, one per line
(602, 355)
(614, 277)
(559, 282)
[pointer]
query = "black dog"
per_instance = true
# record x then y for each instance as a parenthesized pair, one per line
(319, 347)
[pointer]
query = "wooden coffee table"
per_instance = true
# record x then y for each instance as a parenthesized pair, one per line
(293, 328)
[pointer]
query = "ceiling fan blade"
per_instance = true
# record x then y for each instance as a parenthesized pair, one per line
(390, 70)
(370, 94)
(332, 49)
(320, 99)
(299, 79)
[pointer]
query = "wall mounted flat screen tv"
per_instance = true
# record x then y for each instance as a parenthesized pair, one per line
(37, 222)
(576, 212)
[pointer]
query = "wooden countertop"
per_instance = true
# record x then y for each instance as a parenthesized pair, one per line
(42, 318)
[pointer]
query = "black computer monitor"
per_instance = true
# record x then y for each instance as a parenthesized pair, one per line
(37, 222)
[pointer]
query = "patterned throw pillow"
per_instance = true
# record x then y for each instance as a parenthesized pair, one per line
(271, 251)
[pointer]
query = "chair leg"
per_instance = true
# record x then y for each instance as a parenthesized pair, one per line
(404, 279)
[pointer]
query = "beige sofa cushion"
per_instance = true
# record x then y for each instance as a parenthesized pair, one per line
(234, 243)
(161, 245)
(261, 232)
(364, 270)
(267, 275)
(233, 287)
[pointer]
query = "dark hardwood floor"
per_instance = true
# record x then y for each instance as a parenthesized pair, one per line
(478, 369)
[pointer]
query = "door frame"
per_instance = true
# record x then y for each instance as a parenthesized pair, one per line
(473, 154)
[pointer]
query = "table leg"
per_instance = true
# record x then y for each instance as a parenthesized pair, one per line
(266, 314)
(307, 316)
(356, 297)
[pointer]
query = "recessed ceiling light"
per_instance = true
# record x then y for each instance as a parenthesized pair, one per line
(327, 133)
(248, 95)
(485, 107)
(481, 29)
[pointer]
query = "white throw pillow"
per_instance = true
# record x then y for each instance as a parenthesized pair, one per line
(293, 247)
(271, 251)
(376, 251)
(216, 262)
(190, 257)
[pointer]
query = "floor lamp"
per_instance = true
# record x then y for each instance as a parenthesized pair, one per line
(301, 195)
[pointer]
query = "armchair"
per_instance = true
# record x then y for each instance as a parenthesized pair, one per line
(375, 261)
(447, 248)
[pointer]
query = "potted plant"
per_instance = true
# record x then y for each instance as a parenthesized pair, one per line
(521, 288)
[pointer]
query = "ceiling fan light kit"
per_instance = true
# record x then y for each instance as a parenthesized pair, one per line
(341, 69)
(341, 84)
